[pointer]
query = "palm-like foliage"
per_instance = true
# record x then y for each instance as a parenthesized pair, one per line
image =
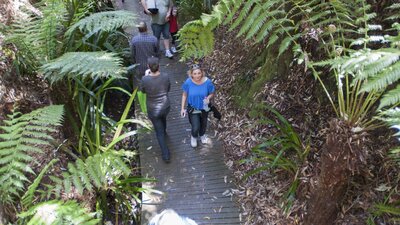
(93, 74)
(23, 134)
(38, 35)
(279, 22)
(84, 65)
(96, 172)
(102, 22)
(101, 173)
(59, 213)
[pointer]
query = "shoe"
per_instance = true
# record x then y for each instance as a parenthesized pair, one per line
(204, 139)
(173, 50)
(167, 160)
(168, 54)
(193, 141)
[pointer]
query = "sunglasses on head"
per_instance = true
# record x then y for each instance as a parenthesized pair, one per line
(195, 66)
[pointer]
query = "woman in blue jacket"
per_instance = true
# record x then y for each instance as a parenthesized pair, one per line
(197, 93)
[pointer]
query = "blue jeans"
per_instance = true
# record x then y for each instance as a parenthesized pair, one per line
(199, 123)
(160, 28)
(160, 127)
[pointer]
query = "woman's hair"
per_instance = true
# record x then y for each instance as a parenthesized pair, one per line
(170, 217)
(193, 68)
(153, 64)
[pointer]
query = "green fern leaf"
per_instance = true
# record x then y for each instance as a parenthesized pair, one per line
(67, 184)
(27, 198)
(285, 44)
(265, 30)
(249, 22)
(85, 178)
(102, 22)
(390, 98)
(85, 64)
(385, 78)
(60, 213)
(243, 13)
(39, 35)
(258, 26)
(17, 143)
(76, 180)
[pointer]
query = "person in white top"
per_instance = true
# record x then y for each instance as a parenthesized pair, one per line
(170, 217)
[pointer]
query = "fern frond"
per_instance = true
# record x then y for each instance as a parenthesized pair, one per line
(102, 22)
(27, 198)
(60, 213)
(266, 29)
(396, 9)
(285, 44)
(259, 23)
(386, 77)
(196, 40)
(391, 97)
(17, 143)
(244, 13)
(97, 172)
(249, 22)
(39, 34)
(86, 64)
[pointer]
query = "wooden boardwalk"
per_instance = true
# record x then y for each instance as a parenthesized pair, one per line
(196, 183)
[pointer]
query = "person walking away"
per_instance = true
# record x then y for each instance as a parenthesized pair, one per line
(197, 93)
(143, 46)
(157, 85)
(160, 16)
(173, 28)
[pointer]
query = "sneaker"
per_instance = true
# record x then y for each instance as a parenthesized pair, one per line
(193, 141)
(204, 139)
(168, 54)
(173, 50)
(166, 159)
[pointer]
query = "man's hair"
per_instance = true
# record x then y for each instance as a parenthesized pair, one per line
(153, 64)
(142, 26)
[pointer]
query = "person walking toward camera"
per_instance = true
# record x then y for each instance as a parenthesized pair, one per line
(173, 28)
(157, 85)
(160, 12)
(198, 90)
(143, 46)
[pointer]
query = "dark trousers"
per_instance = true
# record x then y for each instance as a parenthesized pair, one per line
(174, 37)
(160, 127)
(199, 123)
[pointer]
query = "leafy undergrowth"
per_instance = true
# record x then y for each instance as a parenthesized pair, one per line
(298, 98)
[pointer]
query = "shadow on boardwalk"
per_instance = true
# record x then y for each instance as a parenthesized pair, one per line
(197, 182)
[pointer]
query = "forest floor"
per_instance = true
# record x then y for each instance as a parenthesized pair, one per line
(297, 96)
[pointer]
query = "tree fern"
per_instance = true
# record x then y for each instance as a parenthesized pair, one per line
(23, 134)
(99, 172)
(59, 213)
(40, 33)
(102, 22)
(85, 64)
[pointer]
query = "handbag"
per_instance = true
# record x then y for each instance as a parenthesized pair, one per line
(216, 113)
(152, 7)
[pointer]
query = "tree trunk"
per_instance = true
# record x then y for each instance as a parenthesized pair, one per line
(341, 157)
